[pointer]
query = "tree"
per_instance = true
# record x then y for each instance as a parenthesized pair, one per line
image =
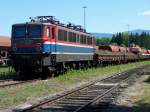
(102, 41)
(142, 39)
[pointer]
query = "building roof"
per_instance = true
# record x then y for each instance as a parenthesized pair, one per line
(5, 41)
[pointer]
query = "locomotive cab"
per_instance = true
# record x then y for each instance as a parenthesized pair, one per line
(31, 45)
(33, 38)
(26, 38)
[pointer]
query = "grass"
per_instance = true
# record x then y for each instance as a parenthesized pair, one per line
(31, 91)
(90, 73)
(6, 72)
(144, 104)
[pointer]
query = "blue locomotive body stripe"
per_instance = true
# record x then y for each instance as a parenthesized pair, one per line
(59, 48)
(67, 48)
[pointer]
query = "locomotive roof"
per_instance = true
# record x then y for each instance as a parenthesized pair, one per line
(63, 27)
(37, 23)
(69, 29)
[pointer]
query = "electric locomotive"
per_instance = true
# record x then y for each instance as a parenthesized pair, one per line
(45, 44)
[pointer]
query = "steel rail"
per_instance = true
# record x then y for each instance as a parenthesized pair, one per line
(63, 95)
(99, 97)
(9, 83)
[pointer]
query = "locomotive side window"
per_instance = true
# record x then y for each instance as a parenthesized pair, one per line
(59, 34)
(81, 39)
(70, 37)
(48, 32)
(89, 40)
(62, 35)
(65, 35)
(93, 40)
(84, 39)
(78, 37)
(74, 37)
(53, 33)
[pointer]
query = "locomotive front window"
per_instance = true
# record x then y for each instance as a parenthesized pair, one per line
(19, 31)
(27, 31)
(34, 31)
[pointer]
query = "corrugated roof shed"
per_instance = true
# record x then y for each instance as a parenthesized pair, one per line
(5, 41)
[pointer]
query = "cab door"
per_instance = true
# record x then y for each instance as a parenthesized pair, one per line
(47, 39)
(53, 39)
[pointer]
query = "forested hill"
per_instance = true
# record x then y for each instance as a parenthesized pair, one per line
(109, 35)
(125, 39)
(139, 31)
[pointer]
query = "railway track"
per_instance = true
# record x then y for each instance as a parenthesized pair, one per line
(11, 82)
(81, 98)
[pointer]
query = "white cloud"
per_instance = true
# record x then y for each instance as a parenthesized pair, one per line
(146, 13)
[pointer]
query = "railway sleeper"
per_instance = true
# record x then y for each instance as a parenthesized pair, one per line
(101, 87)
(57, 108)
(83, 96)
(71, 103)
(80, 98)
(66, 100)
(92, 93)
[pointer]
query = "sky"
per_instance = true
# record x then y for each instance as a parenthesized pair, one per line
(102, 16)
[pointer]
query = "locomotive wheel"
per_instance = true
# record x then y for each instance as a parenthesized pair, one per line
(60, 69)
(24, 75)
(44, 73)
